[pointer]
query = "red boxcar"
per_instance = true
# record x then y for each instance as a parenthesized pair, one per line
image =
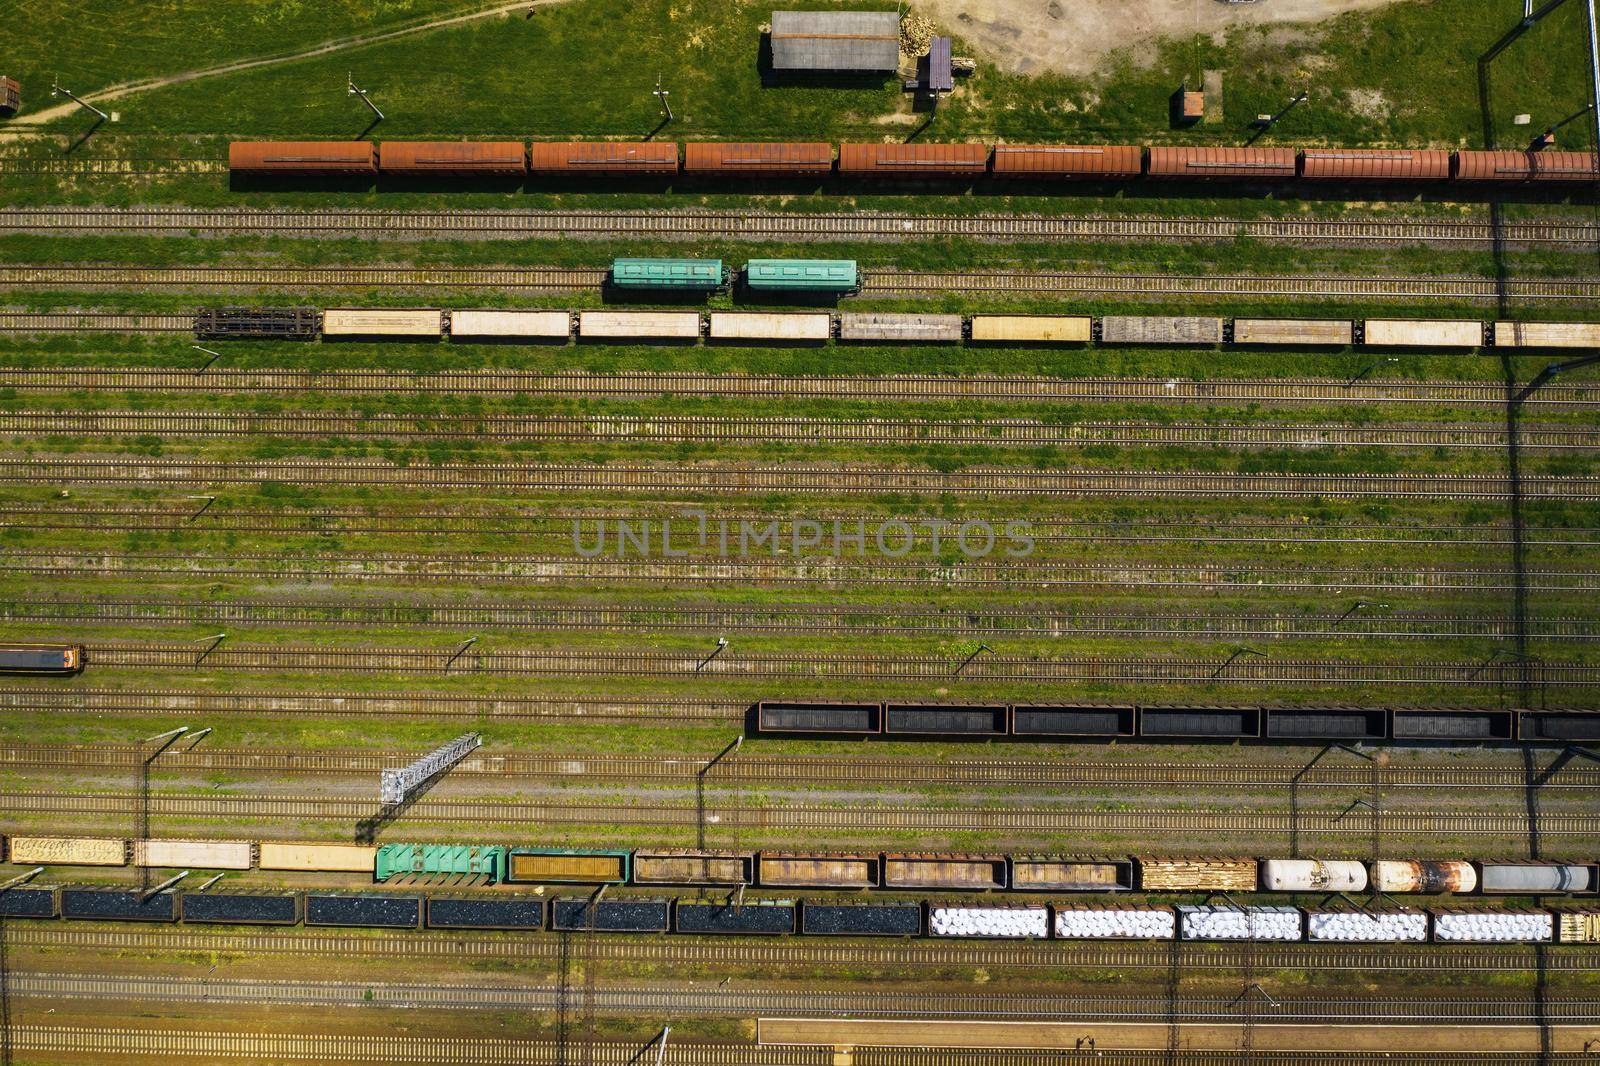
(1068, 160)
(1526, 166)
(1222, 163)
(1374, 164)
(749, 157)
(928, 160)
(303, 157)
(604, 157)
(453, 157)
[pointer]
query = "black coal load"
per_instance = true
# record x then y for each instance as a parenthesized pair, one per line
(240, 909)
(610, 915)
(904, 919)
(27, 903)
(518, 913)
(387, 912)
(762, 918)
(124, 906)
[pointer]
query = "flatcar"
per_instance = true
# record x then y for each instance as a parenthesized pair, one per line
(303, 158)
(766, 326)
(670, 275)
(422, 323)
(57, 659)
(830, 276)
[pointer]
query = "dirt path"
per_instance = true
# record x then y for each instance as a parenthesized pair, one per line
(115, 92)
(1073, 36)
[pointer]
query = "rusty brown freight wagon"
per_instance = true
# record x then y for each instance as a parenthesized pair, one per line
(603, 157)
(1258, 163)
(1374, 164)
(1068, 161)
(447, 158)
(914, 160)
(750, 157)
(1538, 167)
(303, 158)
(786, 870)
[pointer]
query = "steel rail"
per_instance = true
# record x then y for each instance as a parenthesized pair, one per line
(815, 952)
(478, 1050)
(694, 663)
(876, 282)
(1040, 621)
(1243, 530)
(761, 478)
(796, 817)
(678, 999)
(906, 388)
(767, 225)
(146, 702)
(793, 571)
(786, 769)
(733, 429)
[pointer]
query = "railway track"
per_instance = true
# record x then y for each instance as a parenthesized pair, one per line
(772, 225)
(770, 956)
(575, 663)
(797, 817)
(796, 572)
(1264, 532)
(477, 1050)
(678, 999)
(146, 702)
(1038, 621)
(759, 769)
(876, 282)
(757, 430)
(695, 480)
(643, 385)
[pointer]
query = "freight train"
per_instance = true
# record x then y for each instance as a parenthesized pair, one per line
(616, 326)
(1325, 923)
(489, 864)
(874, 720)
(504, 160)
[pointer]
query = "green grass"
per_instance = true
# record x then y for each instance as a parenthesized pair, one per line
(560, 72)
(91, 44)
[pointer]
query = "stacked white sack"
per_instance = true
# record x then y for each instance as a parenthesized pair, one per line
(989, 921)
(1493, 927)
(1250, 923)
(1142, 924)
(1354, 926)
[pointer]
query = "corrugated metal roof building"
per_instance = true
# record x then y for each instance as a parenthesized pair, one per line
(852, 41)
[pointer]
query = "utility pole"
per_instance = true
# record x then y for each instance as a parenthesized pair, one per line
(57, 90)
(354, 90)
(661, 95)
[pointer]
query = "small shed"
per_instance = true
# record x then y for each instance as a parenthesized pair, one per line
(941, 73)
(10, 96)
(839, 42)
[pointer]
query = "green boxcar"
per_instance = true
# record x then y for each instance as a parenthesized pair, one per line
(442, 860)
(679, 275)
(802, 275)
